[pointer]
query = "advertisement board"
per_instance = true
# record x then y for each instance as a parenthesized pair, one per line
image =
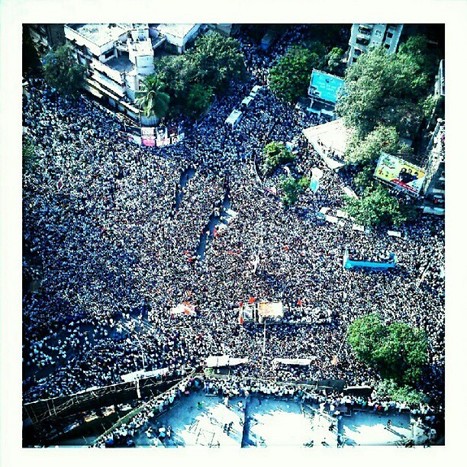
(148, 137)
(400, 173)
(325, 86)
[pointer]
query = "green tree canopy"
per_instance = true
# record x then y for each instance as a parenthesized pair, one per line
(383, 88)
(62, 72)
(292, 188)
(368, 149)
(398, 351)
(191, 80)
(151, 98)
(388, 388)
(417, 51)
(217, 60)
(199, 100)
(290, 77)
(334, 59)
(275, 154)
(375, 207)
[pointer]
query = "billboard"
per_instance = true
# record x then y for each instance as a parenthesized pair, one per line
(148, 137)
(325, 86)
(400, 173)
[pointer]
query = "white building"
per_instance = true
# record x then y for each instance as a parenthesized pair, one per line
(178, 35)
(364, 36)
(434, 187)
(118, 57)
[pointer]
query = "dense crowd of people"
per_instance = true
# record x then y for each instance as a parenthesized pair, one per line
(108, 251)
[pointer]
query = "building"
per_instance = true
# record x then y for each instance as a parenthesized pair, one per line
(46, 36)
(434, 187)
(364, 36)
(177, 36)
(118, 57)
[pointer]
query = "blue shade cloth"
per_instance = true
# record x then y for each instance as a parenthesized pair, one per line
(314, 185)
(325, 86)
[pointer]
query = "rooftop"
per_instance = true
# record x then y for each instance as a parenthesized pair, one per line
(101, 33)
(175, 29)
(121, 64)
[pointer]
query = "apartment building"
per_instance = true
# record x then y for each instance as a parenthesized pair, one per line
(364, 36)
(118, 56)
(434, 188)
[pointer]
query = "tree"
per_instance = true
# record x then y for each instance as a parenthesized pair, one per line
(367, 150)
(375, 207)
(383, 88)
(177, 74)
(416, 50)
(62, 72)
(364, 336)
(192, 79)
(402, 353)
(292, 188)
(389, 389)
(199, 99)
(398, 351)
(217, 61)
(334, 59)
(275, 154)
(151, 98)
(289, 78)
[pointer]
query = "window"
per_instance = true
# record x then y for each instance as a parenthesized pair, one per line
(362, 41)
(390, 34)
(364, 30)
(387, 46)
(357, 52)
(109, 53)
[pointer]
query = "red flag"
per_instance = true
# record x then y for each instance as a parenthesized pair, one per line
(251, 300)
(299, 302)
(240, 319)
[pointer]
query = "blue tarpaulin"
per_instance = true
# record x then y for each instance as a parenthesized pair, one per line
(325, 86)
(314, 185)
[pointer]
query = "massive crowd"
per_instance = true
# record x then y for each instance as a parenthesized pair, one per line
(108, 252)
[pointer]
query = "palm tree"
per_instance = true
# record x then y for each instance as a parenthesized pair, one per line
(151, 98)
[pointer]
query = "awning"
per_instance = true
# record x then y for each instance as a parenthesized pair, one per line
(224, 360)
(294, 361)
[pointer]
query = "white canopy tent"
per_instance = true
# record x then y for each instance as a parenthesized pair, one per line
(294, 361)
(134, 375)
(393, 233)
(224, 360)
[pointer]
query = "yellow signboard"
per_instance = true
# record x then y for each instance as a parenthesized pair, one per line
(403, 174)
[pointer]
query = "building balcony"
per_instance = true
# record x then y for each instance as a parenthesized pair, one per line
(365, 29)
(119, 90)
(111, 71)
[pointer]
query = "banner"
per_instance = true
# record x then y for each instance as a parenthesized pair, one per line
(400, 173)
(184, 308)
(148, 137)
